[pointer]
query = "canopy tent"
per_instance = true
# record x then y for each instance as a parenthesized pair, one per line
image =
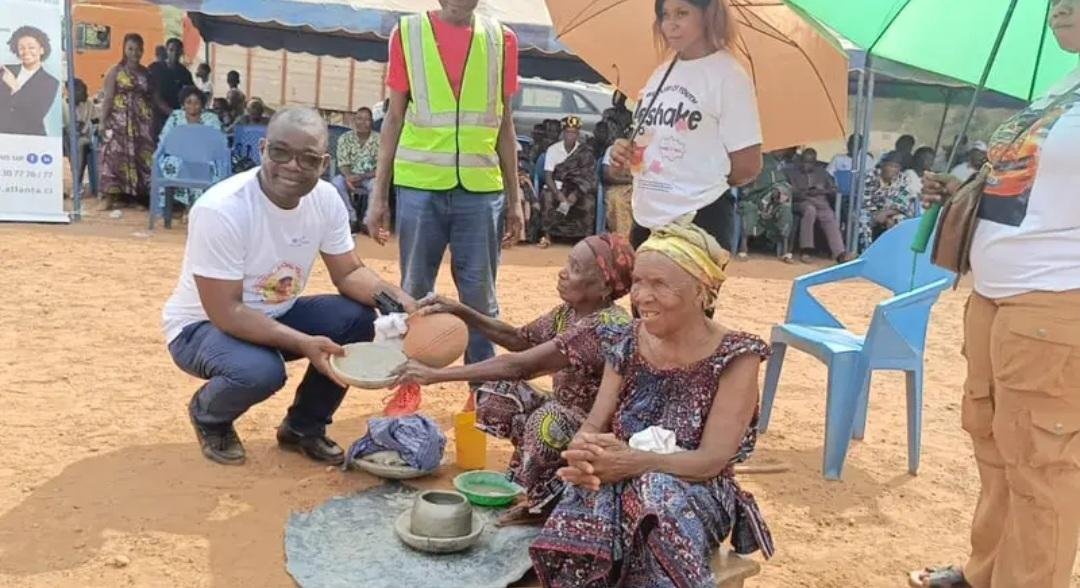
(360, 29)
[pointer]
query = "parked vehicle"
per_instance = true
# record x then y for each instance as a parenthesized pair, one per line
(539, 99)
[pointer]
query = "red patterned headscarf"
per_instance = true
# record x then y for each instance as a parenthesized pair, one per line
(615, 258)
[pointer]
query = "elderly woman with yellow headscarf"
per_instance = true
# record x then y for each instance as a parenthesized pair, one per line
(652, 490)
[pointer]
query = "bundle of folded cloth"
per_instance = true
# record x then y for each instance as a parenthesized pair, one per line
(415, 438)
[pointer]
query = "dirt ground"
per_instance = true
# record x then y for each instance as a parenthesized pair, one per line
(102, 483)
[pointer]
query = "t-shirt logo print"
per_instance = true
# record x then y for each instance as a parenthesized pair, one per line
(282, 284)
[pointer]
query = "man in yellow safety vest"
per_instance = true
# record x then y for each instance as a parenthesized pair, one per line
(448, 143)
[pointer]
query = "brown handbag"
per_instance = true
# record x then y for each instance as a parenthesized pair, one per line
(956, 225)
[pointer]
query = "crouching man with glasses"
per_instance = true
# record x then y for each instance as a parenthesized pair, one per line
(237, 316)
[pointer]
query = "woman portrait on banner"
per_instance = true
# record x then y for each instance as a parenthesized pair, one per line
(685, 166)
(27, 91)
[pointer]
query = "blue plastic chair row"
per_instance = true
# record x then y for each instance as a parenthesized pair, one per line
(895, 340)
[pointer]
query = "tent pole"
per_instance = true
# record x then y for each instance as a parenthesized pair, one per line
(74, 153)
(944, 117)
(982, 82)
(860, 163)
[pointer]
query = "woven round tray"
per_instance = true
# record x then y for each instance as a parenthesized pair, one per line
(368, 365)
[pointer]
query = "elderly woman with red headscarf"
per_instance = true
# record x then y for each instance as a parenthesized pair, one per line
(565, 343)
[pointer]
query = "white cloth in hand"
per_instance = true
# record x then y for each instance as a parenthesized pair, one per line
(655, 440)
(391, 328)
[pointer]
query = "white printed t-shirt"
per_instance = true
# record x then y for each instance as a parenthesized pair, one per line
(1028, 235)
(705, 110)
(236, 233)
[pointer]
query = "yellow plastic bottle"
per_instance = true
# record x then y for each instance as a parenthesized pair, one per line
(470, 442)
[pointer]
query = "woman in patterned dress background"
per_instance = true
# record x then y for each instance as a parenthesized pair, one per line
(563, 342)
(128, 146)
(647, 519)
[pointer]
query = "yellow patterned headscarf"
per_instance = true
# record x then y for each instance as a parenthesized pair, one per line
(695, 251)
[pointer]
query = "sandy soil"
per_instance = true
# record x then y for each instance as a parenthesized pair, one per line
(102, 484)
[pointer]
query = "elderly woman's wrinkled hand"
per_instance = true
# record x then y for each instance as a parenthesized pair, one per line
(434, 304)
(574, 475)
(414, 372)
(599, 458)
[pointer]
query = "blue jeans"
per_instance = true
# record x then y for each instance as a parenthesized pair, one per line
(471, 225)
(240, 374)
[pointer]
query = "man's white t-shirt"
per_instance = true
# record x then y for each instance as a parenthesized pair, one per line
(557, 154)
(1028, 235)
(846, 163)
(236, 233)
(705, 110)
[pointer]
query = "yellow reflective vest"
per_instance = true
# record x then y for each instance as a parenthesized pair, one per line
(448, 142)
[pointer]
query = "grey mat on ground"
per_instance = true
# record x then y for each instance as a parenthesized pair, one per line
(349, 542)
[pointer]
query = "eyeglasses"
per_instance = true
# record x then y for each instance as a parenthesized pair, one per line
(307, 160)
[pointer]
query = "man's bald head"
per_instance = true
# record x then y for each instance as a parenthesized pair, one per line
(298, 119)
(294, 154)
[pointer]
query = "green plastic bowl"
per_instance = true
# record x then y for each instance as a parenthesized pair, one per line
(487, 488)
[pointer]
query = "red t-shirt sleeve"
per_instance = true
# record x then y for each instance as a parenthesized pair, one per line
(397, 75)
(510, 62)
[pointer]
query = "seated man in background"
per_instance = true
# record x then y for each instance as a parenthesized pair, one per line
(237, 315)
(765, 206)
(570, 183)
(976, 157)
(813, 189)
(357, 158)
(254, 114)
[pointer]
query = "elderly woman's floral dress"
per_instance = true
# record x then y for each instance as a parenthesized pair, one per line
(656, 530)
(540, 426)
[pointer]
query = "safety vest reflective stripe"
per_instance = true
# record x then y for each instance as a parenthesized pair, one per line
(447, 159)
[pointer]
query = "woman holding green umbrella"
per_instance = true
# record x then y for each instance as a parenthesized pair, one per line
(1022, 343)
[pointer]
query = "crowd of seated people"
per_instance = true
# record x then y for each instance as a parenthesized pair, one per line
(795, 197)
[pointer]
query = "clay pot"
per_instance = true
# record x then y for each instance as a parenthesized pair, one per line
(441, 514)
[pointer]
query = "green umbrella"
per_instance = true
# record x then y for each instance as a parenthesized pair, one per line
(954, 38)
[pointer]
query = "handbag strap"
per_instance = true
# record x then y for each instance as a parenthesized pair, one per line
(656, 94)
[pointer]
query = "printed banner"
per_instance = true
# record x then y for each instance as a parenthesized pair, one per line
(31, 123)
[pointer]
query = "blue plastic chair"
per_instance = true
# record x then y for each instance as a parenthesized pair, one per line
(201, 150)
(601, 205)
(245, 145)
(894, 341)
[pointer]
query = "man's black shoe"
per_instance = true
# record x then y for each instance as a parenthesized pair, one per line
(219, 443)
(319, 448)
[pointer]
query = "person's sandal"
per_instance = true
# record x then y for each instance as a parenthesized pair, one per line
(788, 258)
(940, 577)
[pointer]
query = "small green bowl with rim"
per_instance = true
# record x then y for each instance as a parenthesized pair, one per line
(487, 488)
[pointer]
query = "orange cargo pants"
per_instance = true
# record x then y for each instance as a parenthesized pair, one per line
(1022, 408)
